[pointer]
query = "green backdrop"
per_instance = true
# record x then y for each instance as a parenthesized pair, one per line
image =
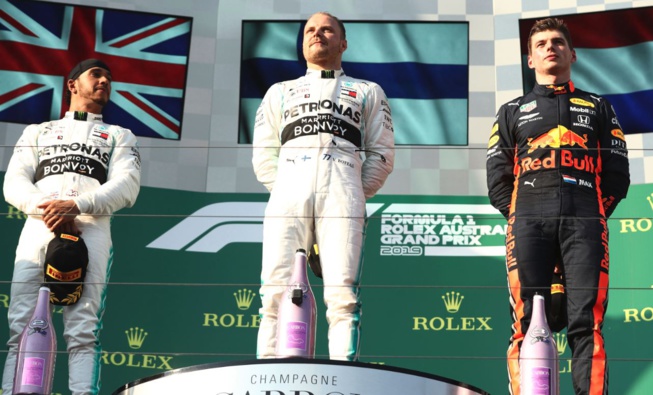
(184, 288)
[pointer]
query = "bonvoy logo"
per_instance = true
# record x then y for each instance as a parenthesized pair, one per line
(135, 338)
(451, 321)
(243, 301)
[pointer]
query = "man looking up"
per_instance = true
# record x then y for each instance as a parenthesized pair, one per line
(557, 166)
(323, 144)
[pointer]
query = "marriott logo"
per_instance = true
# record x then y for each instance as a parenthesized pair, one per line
(452, 320)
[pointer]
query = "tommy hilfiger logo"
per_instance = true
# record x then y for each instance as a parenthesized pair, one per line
(348, 92)
(100, 134)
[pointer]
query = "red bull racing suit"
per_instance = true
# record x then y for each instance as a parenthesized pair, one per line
(97, 165)
(309, 140)
(557, 166)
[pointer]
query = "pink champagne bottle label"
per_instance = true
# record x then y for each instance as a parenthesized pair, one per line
(297, 334)
(541, 381)
(33, 371)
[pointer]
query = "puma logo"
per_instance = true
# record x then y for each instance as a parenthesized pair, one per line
(531, 183)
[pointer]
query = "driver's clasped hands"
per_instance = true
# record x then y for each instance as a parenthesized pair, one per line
(59, 216)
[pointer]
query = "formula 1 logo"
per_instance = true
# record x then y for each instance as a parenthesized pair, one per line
(213, 227)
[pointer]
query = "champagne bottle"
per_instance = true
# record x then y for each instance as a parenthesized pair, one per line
(37, 351)
(296, 318)
(538, 357)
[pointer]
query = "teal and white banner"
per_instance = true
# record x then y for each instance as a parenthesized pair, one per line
(184, 288)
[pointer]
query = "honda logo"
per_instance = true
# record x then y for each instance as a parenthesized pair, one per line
(584, 119)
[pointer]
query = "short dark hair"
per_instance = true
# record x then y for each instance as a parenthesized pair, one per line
(80, 68)
(67, 94)
(547, 24)
(338, 21)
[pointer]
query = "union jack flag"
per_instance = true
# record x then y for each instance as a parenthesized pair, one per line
(40, 42)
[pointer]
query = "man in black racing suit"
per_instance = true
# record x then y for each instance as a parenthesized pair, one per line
(557, 166)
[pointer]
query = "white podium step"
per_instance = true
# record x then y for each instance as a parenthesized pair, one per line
(296, 377)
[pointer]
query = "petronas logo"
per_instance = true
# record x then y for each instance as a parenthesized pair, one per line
(452, 301)
(561, 342)
(135, 337)
(244, 298)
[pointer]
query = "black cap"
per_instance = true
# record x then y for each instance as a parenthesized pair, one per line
(65, 265)
(84, 65)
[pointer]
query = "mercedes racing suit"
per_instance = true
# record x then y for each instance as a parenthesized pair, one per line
(557, 166)
(309, 140)
(98, 166)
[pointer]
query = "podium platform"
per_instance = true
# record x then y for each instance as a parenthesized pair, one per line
(295, 376)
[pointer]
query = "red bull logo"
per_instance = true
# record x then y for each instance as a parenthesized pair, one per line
(555, 138)
(558, 89)
(572, 139)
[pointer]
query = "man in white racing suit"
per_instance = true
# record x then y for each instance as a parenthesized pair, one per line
(69, 176)
(323, 144)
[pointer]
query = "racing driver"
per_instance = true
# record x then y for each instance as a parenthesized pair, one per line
(69, 176)
(323, 144)
(557, 166)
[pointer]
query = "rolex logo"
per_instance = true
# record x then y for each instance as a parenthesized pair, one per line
(650, 200)
(561, 342)
(135, 337)
(244, 298)
(452, 301)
